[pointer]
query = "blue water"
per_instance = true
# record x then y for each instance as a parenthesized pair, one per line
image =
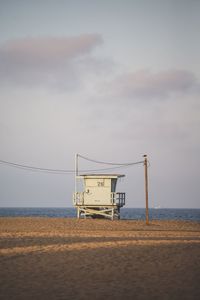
(126, 213)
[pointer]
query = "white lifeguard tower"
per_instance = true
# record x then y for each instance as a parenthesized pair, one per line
(99, 198)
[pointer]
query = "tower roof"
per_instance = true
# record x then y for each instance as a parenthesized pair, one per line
(101, 175)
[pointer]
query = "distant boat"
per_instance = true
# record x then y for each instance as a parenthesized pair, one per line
(156, 207)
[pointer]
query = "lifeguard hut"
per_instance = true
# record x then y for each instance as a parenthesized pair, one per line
(99, 198)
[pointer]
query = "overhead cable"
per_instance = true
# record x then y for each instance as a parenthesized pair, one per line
(31, 168)
(64, 171)
(110, 163)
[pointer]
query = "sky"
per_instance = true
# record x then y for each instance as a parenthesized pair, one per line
(111, 80)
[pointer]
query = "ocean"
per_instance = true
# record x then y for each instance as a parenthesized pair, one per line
(126, 213)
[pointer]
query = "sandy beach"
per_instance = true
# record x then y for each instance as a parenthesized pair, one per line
(48, 258)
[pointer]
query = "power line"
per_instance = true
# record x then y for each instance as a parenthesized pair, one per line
(64, 171)
(110, 163)
(32, 168)
(105, 169)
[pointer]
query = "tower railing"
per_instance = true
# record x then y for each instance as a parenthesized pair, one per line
(78, 198)
(117, 199)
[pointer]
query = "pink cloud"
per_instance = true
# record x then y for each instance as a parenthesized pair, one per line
(43, 58)
(146, 85)
(53, 48)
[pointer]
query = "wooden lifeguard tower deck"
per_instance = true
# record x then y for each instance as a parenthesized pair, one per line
(99, 198)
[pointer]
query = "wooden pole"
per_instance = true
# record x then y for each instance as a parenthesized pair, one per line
(75, 178)
(76, 171)
(76, 164)
(146, 189)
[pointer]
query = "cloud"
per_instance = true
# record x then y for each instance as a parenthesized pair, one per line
(144, 84)
(32, 61)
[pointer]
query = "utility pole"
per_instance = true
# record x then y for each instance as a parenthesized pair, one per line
(76, 171)
(75, 175)
(146, 189)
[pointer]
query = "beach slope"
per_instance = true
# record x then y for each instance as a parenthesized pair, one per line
(49, 258)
